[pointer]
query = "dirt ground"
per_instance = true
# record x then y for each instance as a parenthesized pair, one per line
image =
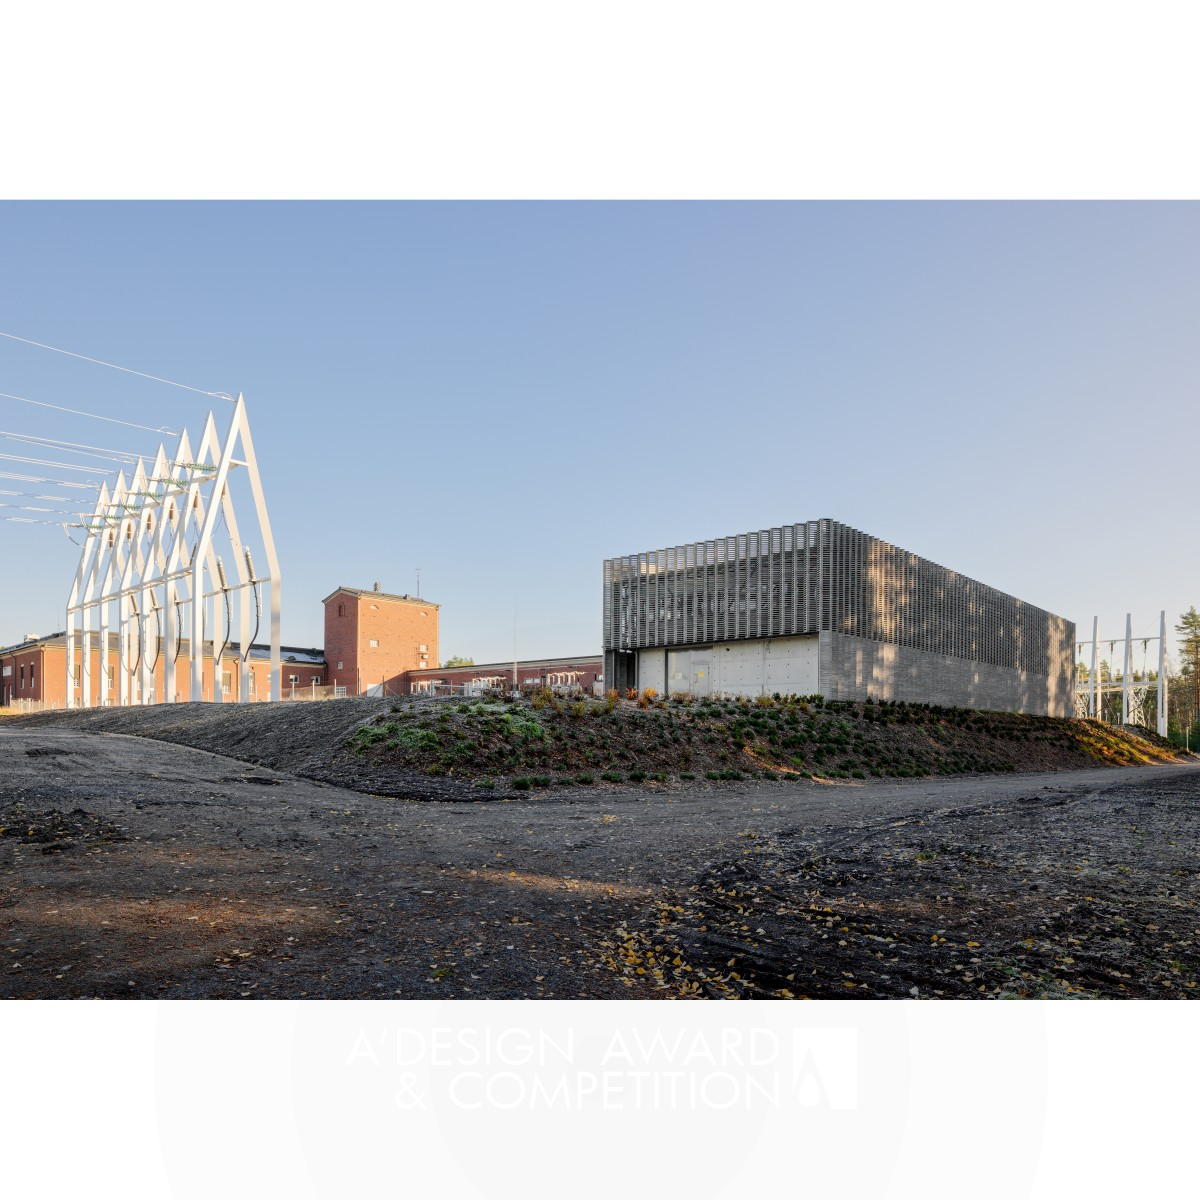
(141, 868)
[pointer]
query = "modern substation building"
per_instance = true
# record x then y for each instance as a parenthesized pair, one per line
(821, 608)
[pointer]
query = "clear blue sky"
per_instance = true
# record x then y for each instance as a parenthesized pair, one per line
(505, 394)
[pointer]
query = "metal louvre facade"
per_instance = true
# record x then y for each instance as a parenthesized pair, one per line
(822, 577)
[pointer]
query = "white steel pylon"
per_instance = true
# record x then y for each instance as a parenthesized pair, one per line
(1089, 696)
(137, 557)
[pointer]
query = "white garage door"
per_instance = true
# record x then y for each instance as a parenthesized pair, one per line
(690, 671)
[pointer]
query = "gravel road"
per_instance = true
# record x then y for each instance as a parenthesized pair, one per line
(135, 867)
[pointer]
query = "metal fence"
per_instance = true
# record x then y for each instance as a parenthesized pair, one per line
(30, 706)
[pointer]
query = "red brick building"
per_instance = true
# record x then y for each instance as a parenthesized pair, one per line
(374, 638)
(374, 641)
(33, 672)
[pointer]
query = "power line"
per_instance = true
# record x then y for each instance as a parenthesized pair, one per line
(46, 462)
(86, 487)
(80, 413)
(71, 512)
(33, 496)
(84, 448)
(35, 521)
(128, 370)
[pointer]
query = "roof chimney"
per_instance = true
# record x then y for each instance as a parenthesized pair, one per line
(376, 585)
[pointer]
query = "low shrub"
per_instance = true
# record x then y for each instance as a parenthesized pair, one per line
(542, 781)
(637, 776)
(528, 730)
(367, 737)
(521, 783)
(610, 776)
(584, 779)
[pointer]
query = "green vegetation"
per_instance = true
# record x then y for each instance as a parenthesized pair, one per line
(644, 738)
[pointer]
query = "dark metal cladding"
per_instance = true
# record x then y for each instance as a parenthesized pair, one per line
(820, 576)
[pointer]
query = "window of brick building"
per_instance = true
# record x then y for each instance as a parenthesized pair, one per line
(374, 643)
(341, 610)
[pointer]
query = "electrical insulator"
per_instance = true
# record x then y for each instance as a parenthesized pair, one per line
(250, 566)
(221, 575)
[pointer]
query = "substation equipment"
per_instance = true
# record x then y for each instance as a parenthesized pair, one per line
(163, 554)
(1090, 693)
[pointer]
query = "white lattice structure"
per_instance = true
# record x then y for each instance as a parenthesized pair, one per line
(1089, 693)
(155, 557)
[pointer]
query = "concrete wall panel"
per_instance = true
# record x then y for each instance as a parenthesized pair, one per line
(792, 666)
(853, 668)
(652, 671)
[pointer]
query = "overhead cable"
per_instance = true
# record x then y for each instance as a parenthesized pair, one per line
(35, 496)
(86, 487)
(32, 439)
(80, 413)
(101, 363)
(46, 462)
(36, 508)
(35, 521)
(128, 370)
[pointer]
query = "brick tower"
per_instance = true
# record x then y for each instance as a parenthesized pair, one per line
(375, 637)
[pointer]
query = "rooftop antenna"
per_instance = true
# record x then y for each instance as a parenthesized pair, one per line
(418, 582)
